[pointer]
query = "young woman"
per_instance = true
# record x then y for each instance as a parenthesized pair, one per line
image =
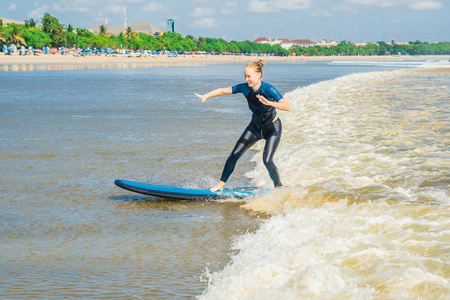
(263, 99)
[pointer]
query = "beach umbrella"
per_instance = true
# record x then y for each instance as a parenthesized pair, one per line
(12, 48)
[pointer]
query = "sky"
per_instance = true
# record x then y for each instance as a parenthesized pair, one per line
(355, 21)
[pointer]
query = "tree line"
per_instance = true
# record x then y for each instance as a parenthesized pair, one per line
(53, 34)
(380, 48)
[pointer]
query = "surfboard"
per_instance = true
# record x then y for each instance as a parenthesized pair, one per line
(172, 192)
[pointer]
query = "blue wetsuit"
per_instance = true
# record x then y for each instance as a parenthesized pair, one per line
(262, 126)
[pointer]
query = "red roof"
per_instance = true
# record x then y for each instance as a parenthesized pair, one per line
(303, 42)
(259, 40)
(286, 41)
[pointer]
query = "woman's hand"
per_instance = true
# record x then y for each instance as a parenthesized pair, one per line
(203, 97)
(282, 104)
(263, 100)
(215, 93)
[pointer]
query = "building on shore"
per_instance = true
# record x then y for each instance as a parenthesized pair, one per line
(170, 25)
(327, 43)
(401, 43)
(138, 27)
(8, 21)
(271, 42)
(285, 43)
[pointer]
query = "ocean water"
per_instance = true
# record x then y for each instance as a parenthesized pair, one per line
(364, 213)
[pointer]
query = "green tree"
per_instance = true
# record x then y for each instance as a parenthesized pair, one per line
(129, 33)
(31, 23)
(103, 30)
(51, 26)
(384, 48)
(49, 23)
(35, 37)
(16, 35)
(72, 39)
(2, 37)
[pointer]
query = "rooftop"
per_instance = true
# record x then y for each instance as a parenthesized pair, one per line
(140, 27)
(8, 21)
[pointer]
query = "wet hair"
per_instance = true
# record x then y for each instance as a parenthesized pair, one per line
(257, 66)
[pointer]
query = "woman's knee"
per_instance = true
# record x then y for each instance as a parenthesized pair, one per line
(268, 162)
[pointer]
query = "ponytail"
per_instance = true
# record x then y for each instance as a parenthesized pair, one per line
(257, 66)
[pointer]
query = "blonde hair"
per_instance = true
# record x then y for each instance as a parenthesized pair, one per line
(257, 66)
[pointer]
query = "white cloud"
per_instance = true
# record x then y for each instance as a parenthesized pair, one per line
(292, 4)
(113, 8)
(38, 12)
(199, 1)
(259, 6)
(381, 3)
(154, 7)
(344, 7)
(199, 12)
(321, 13)
(204, 23)
(69, 7)
(12, 7)
(422, 5)
(265, 6)
(230, 8)
(73, 5)
(412, 4)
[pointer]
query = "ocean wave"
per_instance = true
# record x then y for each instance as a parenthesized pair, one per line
(337, 251)
(404, 63)
(364, 213)
(363, 130)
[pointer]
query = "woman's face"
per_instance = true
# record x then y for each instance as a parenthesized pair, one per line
(252, 77)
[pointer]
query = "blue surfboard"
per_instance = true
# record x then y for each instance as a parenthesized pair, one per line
(183, 193)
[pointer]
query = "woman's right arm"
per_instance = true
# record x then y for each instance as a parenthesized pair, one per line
(215, 93)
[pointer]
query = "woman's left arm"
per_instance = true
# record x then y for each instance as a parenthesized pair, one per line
(282, 104)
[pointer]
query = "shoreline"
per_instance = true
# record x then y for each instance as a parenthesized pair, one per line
(165, 61)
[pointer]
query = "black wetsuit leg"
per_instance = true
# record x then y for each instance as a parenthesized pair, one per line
(252, 134)
(272, 135)
(248, 138)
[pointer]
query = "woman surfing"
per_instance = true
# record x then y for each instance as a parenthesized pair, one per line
(263, 100)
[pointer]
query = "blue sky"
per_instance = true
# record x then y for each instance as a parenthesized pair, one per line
(351, 20)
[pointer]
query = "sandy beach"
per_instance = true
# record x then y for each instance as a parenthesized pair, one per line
(164, 60)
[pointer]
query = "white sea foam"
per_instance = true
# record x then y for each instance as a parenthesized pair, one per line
(434, 63)
(364, 213)
(337, 252)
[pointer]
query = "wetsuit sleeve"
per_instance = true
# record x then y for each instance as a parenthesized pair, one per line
(274, 93)
(239, 88)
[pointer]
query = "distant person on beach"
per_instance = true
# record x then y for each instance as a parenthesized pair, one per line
(263, 99)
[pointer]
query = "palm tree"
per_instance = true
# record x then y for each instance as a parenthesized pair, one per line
(2, 33)
(129, 33)
(2, 39)
(16, 36)
(102, 30)
(31, 23)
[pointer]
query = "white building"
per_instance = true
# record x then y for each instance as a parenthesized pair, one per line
(327, 43)
(285, 43)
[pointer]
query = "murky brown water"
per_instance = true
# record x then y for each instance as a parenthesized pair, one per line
(365, 168)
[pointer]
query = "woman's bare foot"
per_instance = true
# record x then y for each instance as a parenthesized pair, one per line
(218, 187)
